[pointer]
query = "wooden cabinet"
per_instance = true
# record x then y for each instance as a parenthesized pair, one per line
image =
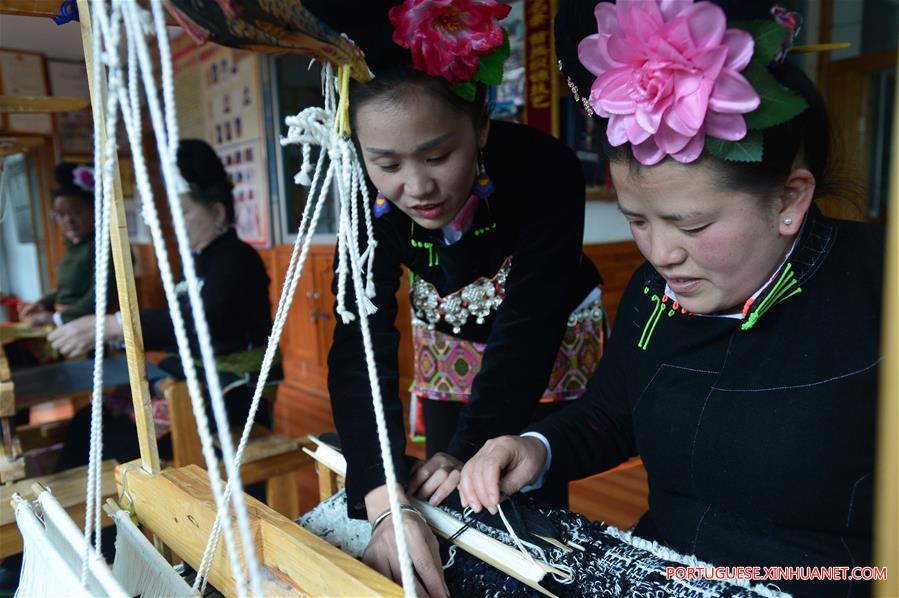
(303, 405)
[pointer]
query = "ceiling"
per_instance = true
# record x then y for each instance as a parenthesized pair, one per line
(38, 34)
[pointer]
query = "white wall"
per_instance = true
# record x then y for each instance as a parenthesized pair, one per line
(603, 223)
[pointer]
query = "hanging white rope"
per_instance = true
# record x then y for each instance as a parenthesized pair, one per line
(106, 29)
(104, 156)
(313, 128)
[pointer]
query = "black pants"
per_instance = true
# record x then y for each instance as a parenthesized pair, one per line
(442, 419)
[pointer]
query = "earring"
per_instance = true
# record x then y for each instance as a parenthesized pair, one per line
(382, 205)
(483, 188)
(788, 221)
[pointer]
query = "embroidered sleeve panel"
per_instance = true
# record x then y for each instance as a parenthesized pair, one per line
(475, 300)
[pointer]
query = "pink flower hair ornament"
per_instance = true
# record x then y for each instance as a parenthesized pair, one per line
(83, 178)
(674, 80)
(459, 40)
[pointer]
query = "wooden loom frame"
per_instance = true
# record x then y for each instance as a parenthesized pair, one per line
(177, 504)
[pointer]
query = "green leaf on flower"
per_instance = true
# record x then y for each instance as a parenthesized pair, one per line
(466, 90)
(768, 36)
(778, 104)
(490, 66)
(748, 149)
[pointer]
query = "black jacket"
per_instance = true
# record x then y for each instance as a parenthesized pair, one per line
(235, 296)
(758, 443)
(538, 210)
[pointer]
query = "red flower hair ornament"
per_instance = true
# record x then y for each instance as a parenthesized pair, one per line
(459, 40)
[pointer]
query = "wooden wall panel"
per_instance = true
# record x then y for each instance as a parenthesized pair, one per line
(303, 405)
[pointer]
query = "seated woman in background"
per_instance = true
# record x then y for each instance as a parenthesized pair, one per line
(73, 212)
(234, 290)
(743, 367)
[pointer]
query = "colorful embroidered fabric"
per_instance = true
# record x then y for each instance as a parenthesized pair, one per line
(445, 366)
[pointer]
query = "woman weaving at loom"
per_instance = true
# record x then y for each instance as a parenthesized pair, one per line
(73, 211)
(488, 218)
(744, 366)
(235, 298)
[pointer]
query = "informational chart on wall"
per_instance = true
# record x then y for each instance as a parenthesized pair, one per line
(217, 91)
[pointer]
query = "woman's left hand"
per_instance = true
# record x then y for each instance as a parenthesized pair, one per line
(433, 480)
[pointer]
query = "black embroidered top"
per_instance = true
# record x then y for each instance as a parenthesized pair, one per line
(235, 296)
(758, 443)
(538, 213)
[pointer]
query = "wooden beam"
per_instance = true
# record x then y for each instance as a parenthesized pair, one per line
(7, 399)
(886, 514)
(19, 144)
(68, 488)
(5, 373)
(30, 8)
(177, 505)
(124, 272)
(42, 103)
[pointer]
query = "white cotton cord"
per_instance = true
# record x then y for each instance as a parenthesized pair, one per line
(452, 556)
(133, 22)
(213, 383)
(302, 244)
(302, 177)
(366, 307)
(378, 403)
(105, 153)
(370, 232)
(168, 79)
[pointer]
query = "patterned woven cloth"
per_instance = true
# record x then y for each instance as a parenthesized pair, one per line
(613, 563)
(445, 366)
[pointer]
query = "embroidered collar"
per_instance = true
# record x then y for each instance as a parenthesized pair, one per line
(454, 231)
(802, 261)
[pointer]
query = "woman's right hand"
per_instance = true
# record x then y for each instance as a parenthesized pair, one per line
(503, 465)
(381, 552)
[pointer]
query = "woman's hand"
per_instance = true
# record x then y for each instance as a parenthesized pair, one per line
(505, 464)
(78, 336)
(433, 480)
(35, 314)
(381, 553)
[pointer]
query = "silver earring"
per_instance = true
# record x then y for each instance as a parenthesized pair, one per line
(788, 221)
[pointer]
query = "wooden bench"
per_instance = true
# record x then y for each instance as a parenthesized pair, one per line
(269, 457)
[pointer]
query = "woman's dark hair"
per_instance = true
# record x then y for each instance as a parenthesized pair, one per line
(806, 136)
(205, 174)
(394, 84)
(67, 185)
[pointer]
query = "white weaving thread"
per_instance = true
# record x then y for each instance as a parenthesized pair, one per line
(347, 155)
(69, 544)
(133, 22)
(40, 556)
(140, 568)
(302, 243)
(103, 187)
(103, 26)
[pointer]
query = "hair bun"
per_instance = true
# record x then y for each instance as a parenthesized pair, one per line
(199, 164)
